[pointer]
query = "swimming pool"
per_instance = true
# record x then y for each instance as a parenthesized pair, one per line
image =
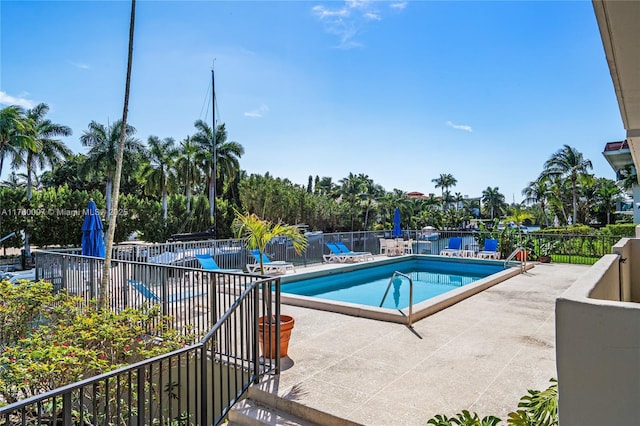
(358, 289)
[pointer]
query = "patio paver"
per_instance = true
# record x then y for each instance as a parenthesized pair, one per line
(481, 354)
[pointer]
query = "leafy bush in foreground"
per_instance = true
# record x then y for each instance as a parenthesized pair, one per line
(538, 408)
(48, 341)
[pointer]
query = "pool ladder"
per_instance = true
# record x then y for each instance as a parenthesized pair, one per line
(523, 263)
(395, 274)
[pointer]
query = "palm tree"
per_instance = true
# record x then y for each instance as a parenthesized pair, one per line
(13, 181)
(187, 168)
(104, 150)
(159, 170)
(569, 163)
(351, 190)
(257, 233)
(493, 200)
(458, 199)
(557, 189)
(325, 186)
(13, 134)
(607, 193)
(445, 181)
(539, 191)
(104, 283)
(371, 192)
(45, 148)
(227, 162)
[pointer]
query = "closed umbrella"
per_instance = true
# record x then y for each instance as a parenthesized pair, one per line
(396, 232)
(92, 235)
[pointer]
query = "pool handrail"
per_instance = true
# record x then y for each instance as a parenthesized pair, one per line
(523, 263)
(410, 318)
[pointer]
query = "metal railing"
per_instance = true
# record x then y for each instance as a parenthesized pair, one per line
(523, 262)
(197, 384)
(231, 253)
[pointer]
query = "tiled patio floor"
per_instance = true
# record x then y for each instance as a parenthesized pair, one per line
(481, 354)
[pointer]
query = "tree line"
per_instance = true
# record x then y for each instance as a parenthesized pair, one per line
(168, 187)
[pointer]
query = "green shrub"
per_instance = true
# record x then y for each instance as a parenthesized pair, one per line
(48, 341)
(537, 408)
(620, 230)
(570, 230)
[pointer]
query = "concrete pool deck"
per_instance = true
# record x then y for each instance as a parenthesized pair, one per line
(481, 354)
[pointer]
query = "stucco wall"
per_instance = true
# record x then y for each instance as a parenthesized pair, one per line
(598, 346)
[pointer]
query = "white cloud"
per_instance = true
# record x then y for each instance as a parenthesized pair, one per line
(399, 5)
(358, 4)
(258, 112)
(464, 127)
(349, 19)
(6, 99)
(324, 13)
(373, 16)
(80, 65)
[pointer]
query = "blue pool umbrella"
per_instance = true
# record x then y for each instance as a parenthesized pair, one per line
(92, 236)
(397, 232)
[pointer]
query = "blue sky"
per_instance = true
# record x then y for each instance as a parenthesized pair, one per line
(400, 91)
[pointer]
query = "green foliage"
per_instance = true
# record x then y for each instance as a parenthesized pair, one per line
(277, 199)
(21, 307)
(572, 230)
(12, 202)
(48, 341)
(548, 247)
(257, 233)
(508, 239)
(537, 408)
(464, 419)
(620, 230)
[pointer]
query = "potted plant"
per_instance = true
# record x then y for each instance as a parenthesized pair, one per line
(257, 233)
(267, 335)
(546, 248)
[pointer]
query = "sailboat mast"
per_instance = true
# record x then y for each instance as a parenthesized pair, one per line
(214, 157)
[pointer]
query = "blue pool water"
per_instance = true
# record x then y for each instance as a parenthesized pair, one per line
(367, 286)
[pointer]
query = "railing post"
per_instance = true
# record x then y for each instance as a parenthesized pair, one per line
(277, 324)
(141, 398)
(64, 271)
(66, 409)
(256, 332)
(204, 404)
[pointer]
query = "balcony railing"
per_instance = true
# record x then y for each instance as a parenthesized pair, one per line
(231, 253)
(194, 385)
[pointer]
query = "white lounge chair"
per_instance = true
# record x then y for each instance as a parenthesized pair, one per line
(490, 250)
(270, 266)
(454, 248)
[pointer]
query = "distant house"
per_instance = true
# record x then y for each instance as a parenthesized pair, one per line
(416, 194)
(619, 157)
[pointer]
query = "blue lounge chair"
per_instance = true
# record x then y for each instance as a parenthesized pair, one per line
(454, 248)
(270, 266)
(336, 255)
(490, 250)
(361, 255)
(146, 292)
(209, 263)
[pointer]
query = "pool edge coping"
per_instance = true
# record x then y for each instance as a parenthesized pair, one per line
(401, 316)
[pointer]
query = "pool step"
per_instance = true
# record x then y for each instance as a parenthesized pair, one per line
(261, 408)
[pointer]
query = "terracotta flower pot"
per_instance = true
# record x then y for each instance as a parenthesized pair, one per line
(522, 255)
(269, 349)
